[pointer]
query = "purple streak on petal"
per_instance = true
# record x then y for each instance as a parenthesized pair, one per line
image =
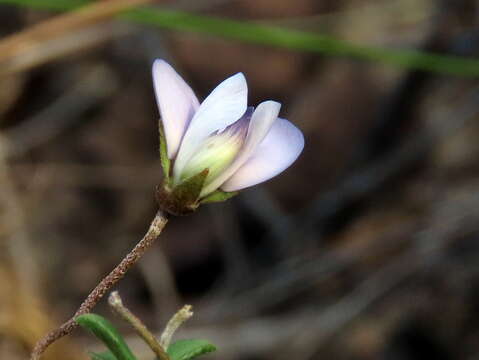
(219, 150)
(240, 126)
(261, 122)
(176, 101)
(279, 149)
(224, 106)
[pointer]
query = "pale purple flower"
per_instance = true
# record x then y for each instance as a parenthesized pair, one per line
(240, 146)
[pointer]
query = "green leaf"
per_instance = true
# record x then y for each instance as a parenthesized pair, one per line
(189, 349)
(107, 355)
(106, 332)
(279, 36)
(165, 161)
(218, 196)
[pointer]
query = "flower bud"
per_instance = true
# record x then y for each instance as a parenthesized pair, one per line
(211, 150)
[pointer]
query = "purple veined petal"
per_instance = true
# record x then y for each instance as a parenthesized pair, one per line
(279, 149)
(176, 101)
(261, 121)
(225, 105)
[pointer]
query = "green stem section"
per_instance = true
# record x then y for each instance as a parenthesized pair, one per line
(279, 37)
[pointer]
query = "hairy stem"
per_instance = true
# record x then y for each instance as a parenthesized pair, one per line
(104, 286)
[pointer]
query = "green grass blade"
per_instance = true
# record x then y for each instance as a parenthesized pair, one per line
(279, 37)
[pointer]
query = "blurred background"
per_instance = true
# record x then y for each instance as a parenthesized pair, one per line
(366, 248)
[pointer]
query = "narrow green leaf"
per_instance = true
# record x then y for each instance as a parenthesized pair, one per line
(218, 196)
(280, 37)
(165, 161)
(107, 355)
(189, 349)
(106, 332)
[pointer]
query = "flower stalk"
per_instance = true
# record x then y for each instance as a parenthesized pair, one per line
(104, 285)
(208, 152)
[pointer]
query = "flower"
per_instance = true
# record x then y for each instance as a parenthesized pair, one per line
(221, 145)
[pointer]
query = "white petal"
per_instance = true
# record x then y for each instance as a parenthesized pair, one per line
(176, 101)
(261, 121)
(279, 149)
(226, 104)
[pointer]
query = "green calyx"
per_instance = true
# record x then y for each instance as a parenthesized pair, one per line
(185, 197)
(218, 196)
